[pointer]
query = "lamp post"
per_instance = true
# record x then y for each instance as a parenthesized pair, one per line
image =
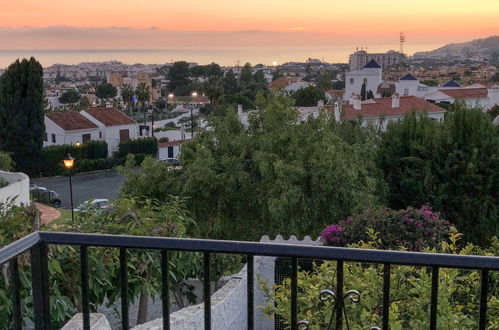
(69, 163)
(194, 94)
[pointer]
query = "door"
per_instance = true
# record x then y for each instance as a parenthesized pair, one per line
(170, 152)
(124, 135)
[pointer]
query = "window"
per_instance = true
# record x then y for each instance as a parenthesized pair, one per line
(85, 138)
(351, 81)
(100, 135)
(53, 138)
(46, 137)
(406, 91)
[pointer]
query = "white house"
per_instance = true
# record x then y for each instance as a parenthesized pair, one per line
(289, 84)
(480, 97)
(381, 111)
(17, 190)
(68, 127)
(370, 75)
(407, 85)
(170, 149)
(114, 126)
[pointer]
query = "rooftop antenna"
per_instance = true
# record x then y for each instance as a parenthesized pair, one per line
(402, 40)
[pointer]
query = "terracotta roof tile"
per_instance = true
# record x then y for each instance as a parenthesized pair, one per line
(466, 93)
(383, 107)
(283, 82)
(110, 116)
(70, 120)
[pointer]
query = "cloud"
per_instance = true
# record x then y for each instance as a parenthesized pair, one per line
(66, 37)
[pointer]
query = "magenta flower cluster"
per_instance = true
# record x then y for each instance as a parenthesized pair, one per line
(331, 234)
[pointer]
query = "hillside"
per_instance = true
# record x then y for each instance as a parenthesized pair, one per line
(485, 48)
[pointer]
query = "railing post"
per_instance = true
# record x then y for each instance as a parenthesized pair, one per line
(484, 281)
(294, 293)
(84, 287)
(339, 295)
(250, 291)
(434, 298)
(207, 292)
(386, 297)
(16, 294)
(124, 289)
(40, 287)
(165, 288)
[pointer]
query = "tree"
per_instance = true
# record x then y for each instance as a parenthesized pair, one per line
(430, 82)
(6, 163)
(21, 113)
(213, 69)
(106, 91)
(276, 176)
(363, 93)
(70, 97)
(143, 95)
(309, 96)
(230, 83)
(84, 103)
(246, 74)
(370, 95)
(179, 75)
(453, 166)
(259, 77)
(277, 74)
(214, 89)
(127, 94)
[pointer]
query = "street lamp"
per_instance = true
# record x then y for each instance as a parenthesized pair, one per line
(194, 94)
(69, 163)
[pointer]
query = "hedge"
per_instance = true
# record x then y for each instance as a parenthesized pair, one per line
(148, 146)
(52, 156)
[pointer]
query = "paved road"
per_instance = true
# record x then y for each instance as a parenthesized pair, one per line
(85, 186)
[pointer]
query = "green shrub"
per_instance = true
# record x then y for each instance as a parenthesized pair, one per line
(87, 165)
(163, 139)
(414, 229)
(3, 183)
(6, 162)
(410, 293)
(147, 146)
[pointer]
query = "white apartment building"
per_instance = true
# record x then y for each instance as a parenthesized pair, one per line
(360, 58)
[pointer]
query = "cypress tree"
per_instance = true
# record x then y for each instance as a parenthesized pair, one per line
(21, 113)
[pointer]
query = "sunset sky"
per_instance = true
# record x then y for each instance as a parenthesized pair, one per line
(220, 24)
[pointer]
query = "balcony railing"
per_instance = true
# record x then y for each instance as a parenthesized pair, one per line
(37, 243)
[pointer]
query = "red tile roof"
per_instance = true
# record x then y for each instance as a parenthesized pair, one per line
(383, 107)
(172, 143)
(466, 93)
(70, 120)
(283, 82)
(110, 116)
(336, 92)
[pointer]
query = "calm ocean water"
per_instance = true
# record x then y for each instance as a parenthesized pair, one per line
(254, 55)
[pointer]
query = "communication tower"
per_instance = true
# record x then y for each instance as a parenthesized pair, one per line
(402, 40)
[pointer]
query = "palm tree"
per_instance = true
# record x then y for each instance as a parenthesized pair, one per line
(214, 89)
(127, 94)
(143, 94)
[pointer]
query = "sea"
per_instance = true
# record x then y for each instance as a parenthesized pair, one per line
(226, 57)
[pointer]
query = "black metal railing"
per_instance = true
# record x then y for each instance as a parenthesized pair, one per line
(36, 244)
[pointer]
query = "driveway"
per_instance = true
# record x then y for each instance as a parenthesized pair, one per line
(85, 186)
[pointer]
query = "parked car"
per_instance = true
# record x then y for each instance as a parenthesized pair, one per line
(43, 195)
(98, 205)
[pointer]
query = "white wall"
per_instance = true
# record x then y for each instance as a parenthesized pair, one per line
(383, 123)
(229, 303)
(17, 191)
(163, 152)
(373, 77)
(66, 137)
(411, 86)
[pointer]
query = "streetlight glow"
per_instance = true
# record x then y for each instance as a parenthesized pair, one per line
(78, 143)
(194, 94)
(69, 162)
(171, 96)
